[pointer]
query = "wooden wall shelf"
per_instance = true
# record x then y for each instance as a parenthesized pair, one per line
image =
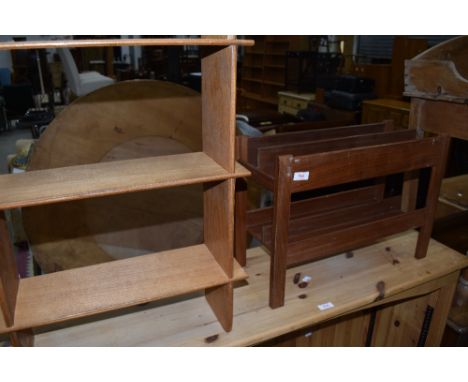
(42, 300)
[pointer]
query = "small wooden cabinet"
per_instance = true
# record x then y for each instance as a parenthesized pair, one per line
(381, 109)
(291, 103)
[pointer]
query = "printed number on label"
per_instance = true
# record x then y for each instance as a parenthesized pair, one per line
(298, 176)
(327, 305)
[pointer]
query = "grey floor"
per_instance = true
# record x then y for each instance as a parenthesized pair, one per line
(7, 145)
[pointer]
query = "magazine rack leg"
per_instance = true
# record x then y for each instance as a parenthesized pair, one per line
(437, 173)
(281, 213)
(9, 279)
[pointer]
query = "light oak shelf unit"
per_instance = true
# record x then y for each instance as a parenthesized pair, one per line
(66, 295)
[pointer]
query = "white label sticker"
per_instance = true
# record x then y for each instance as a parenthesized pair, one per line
(327, 305)
(306, 279)
(298, 176)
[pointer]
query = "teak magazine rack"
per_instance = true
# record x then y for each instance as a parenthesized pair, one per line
(335, 220)
(51, 298)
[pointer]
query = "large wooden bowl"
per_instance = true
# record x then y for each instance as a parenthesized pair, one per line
(130, 119)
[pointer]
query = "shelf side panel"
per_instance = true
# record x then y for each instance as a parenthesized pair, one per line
(219, 104)
(219, 222)
(221, 302)
(9, 279)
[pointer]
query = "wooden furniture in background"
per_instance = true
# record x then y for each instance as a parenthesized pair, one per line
(291, 103)
(331, 118)
(453, 197)
(404, 48)
(263, 70)
(380, 109)
(380, 73)
(61, 296)
(437, 82)
(384, 277)
(340, 220)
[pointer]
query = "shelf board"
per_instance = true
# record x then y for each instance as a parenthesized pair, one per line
(258, 97)
(314, 236)
(110, 178)
(275, 83)
(20, 45)
(333, 220)
(252, 66)
(81, 292)
(252, 79)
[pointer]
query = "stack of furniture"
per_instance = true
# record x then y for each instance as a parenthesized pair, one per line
(263, 70)
(343, 199)
(291, 102)
(437, 82)
(384, 108)
(51, 298)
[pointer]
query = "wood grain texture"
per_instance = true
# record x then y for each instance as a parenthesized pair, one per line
(326, 203)
(338, 216)
(109, 178)
(437, 173)
(240, 222)
(82, 292)
(350, 330)
(281, 214)
(249, 146)
(440, 117)
(19, 45)
(352, 237)
(222, 303)
(337, 167)
(9, 278)
(442, 302)
(349, 283)
(266, 156)
(219, 105)
(327, 163)
(219, 222)
(128, 120)
(440, 73)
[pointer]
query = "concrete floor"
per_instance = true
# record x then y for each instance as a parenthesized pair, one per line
(7, 145)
